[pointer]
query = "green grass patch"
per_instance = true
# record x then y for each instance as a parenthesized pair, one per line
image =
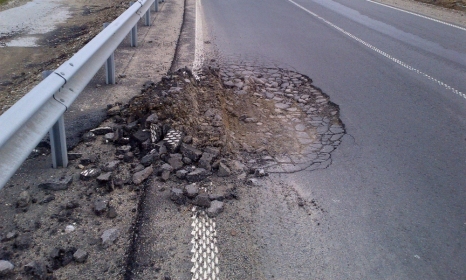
(3, 2)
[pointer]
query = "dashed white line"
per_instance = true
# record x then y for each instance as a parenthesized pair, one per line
(204, 250)
(415, 14)
(450, 88)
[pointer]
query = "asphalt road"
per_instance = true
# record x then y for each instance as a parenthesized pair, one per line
(394, 198)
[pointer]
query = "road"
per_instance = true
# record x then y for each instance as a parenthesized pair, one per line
(393, 200)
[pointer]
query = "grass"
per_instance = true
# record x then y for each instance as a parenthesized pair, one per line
(3, 2)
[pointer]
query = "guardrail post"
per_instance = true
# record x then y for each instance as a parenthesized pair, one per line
(110, 66)
(134, 32)
(147, 21)
(57, 138)
(156, 5)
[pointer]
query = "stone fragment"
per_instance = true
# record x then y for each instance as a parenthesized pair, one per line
(128, 157)
(253, 182)
(88, 137)
(173, 140)
(111, 213)
(104, 177)
(152, 118)
(176, 161)
(24, 200)
(110, 236)
(181, 174)
(80, 256)
(202, 200)
(73, 156)
(191, 190)
(109, 136)
(110, 166)
(102, 130)
(147, 159)
(86, 160)
(216, 207)
(140, 176)
(206, 160)
(223, 170)
(141, 135)
(123, 149)
(260, 172)
(36, 269)
(114, 111)
(190, 152)
(22, 242)
(100, 206)
(57, 184)
(188, 139)
(176, 195)
(165, 175)
(10, 236)
(197, 175)
(6, 267)
(89, 174)
(213, 151)
(69, 228)
(155, 133)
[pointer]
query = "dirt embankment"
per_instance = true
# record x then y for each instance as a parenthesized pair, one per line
(22, 66)
(451, 4)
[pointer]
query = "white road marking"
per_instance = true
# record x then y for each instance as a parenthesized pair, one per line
(198, 40)
(205, 250)
(449, 88)
(415, 14)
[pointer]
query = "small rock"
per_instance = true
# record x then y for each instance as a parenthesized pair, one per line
(223, 170)
(24, 200)
(57, 185)
(213, 151)
(202, 200)
(71, 204)
(102, 130)
(23, 242)
(188, 139)
(100, 206)
(109, 136)
(141, 135)
(109, 236)
(176, 195)
(36, 269)
(128, 157)
(165, 175)
(114, 111)
(47, 199)
(206, 160)
(152, 118)
(190, 152)
(73, 156)
(112, 213)
(80, 256)
(88, 137)
(260, 173)
(110, 166)
(191, 190)
(123, 149)
(69, 229)
(140, 176)
(197, 175)
(5, 267)
(181, 174)
(216, 207)
(104, 178)
(176, 161)
(147, 159)
(10, 236)
(89, 174)
(253, 182)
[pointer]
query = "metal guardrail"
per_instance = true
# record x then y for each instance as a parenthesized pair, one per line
(41, 110)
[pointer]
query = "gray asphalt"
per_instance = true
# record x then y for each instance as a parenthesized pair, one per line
(394, 198)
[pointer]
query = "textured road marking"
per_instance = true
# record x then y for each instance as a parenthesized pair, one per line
(204, 242)
(415, 14)
(449, 88)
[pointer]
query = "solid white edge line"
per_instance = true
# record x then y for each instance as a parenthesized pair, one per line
(419, 15)
(399, 62)
(198, 40)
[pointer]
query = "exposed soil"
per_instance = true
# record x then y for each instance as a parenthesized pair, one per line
(22, 66)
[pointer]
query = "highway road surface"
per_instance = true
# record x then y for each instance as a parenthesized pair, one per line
(393, 201)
